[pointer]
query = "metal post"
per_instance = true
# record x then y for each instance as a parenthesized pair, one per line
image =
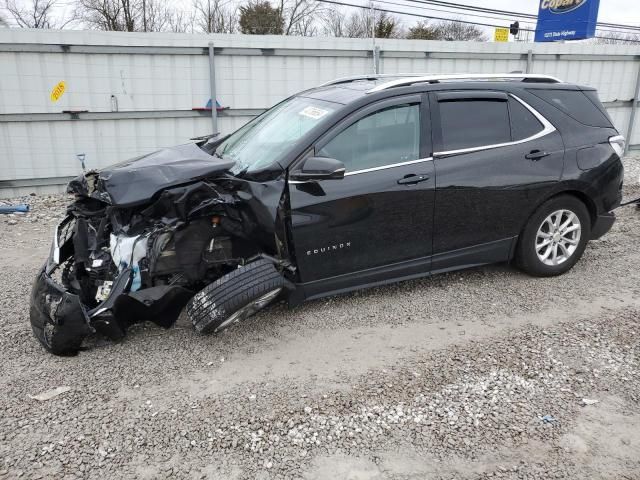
(376, 60)
(373, 36)
(632, 117)
(212, 87)
(529, 61)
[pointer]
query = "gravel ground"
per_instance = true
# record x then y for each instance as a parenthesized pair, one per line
(476, 374)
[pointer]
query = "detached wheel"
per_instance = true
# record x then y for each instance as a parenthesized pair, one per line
(234, 297)
(555, 237)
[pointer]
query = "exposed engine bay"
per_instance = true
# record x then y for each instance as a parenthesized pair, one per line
(142, 237)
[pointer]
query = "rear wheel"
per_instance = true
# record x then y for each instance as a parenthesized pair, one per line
(555, 237)
(235, 296)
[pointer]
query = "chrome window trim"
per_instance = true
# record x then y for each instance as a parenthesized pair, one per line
(546, 130)
(384, 167)
(56, 246)
(372, 169)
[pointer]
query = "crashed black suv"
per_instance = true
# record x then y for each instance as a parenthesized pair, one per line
(359, 182)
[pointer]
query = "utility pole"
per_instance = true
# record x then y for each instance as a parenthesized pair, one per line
(373, 36)
(144, 15)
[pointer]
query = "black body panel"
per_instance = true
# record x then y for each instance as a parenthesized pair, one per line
(52, 307)
(487, 196)
(361, 222)
(374, 216)
(482, 199)
(136, 181)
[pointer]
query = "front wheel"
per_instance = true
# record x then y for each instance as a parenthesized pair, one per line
(555, 237)
(235, 296)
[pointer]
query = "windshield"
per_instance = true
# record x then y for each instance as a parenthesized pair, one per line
(260, 142)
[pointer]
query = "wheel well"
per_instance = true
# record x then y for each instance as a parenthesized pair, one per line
(591, 207)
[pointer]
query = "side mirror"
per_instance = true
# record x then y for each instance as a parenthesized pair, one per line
(319, 168)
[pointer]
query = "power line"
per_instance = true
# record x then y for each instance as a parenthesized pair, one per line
(509, 13)
(429, 8)
(440, 10)
(431, 17)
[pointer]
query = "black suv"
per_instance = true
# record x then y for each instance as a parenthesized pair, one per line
(359, 182)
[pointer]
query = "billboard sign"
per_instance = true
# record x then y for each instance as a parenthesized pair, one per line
(566, 20)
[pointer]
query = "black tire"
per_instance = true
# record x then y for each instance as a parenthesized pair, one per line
(211, 309)
(526, 254)
(60, 338)
(55, 341)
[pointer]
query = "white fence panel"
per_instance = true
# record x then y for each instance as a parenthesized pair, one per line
(139, 90)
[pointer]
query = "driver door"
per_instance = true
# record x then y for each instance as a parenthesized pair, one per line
(375, 224)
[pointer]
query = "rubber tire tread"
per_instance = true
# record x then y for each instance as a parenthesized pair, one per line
(215, 303)
(526, 258)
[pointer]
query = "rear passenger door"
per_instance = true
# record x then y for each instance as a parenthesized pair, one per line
(495, 159)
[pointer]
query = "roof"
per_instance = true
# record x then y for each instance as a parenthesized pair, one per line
(345, 90)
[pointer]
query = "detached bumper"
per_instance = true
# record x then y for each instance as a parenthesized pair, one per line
(602, 225)
(58, 319)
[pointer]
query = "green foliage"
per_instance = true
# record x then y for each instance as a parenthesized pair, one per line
(386, 26)
(446, 30)
(260, 18)
(422, 31)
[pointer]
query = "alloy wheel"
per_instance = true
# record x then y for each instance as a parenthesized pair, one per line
(558, 237)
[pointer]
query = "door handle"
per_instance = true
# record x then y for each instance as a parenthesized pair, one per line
(412, 179)
(536, 155)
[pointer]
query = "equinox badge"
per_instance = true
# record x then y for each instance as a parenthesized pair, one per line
(330, 248)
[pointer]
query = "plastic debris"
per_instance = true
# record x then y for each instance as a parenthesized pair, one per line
(588, 401)
(548, 419)
(19, 208)
(49, 394)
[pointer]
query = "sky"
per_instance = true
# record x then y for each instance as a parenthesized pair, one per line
(611, 11)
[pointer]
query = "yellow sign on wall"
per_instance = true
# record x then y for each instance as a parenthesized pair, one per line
(501, 35)
(57, 91)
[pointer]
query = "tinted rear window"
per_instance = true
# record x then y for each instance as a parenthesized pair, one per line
(523, 123)
(593, 96)
(575, 104)
(474, 123)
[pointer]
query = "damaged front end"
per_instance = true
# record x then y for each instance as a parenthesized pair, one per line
(122, 256)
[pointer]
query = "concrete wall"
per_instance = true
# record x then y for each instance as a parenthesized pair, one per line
(136, 92)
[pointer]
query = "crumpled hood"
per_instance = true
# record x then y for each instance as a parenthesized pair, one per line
(135, 181)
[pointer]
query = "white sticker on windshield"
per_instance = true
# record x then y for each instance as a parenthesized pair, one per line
(313, 112)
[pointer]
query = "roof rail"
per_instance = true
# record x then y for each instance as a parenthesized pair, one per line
(525, 77)
(372, 76)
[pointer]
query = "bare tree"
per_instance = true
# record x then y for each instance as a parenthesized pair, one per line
(181, 21)
(215, 16)
(358, 24)
(453, 30)
(300, 16)
(361, 24)
(333, 22)
(35, 14)
(117, 15)
(618, 38)
(158, 16)
(133, 15)
(446, 30)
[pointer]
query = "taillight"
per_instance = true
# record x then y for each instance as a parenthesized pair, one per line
(618, 143)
